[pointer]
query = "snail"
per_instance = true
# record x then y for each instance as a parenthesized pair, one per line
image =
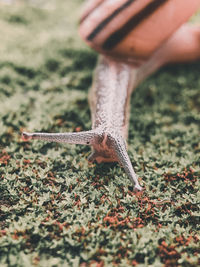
(134, 39)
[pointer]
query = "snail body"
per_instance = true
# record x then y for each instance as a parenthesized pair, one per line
(134, 38)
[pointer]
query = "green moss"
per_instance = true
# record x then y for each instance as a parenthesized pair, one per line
(55, 209)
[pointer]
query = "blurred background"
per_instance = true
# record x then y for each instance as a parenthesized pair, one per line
(40, 50)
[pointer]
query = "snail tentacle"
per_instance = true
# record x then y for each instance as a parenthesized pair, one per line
(82, 138)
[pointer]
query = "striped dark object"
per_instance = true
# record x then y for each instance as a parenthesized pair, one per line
(115, 38)
(102, 25)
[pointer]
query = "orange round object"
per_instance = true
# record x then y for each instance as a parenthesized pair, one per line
(131, 28)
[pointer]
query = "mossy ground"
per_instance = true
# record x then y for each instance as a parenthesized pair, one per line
(55, 209)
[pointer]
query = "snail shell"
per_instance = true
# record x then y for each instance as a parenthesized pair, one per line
(132, 29)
